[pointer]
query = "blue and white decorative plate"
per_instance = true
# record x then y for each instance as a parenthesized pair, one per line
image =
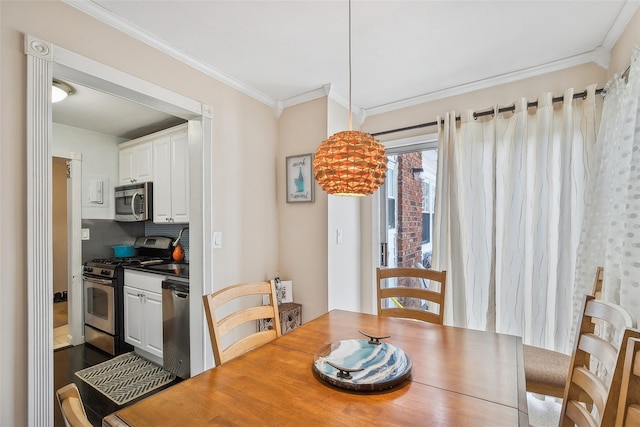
(360, 365)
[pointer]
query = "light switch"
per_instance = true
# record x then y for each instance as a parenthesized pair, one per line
(339, 236)
(217, 239)
(85, 234)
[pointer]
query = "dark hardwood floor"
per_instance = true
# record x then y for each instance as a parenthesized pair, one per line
(66, 362)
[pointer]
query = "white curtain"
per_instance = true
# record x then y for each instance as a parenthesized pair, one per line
(611, 232)
(509, 210)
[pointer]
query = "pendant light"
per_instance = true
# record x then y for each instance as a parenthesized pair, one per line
(350, 163)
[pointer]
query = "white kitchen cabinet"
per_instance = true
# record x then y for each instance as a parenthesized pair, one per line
(171, 185)
(143, 311)
(136, 162)
(133, 316)
(153, 323)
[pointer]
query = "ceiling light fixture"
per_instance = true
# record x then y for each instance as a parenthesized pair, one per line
(350, 163)
(60, 90)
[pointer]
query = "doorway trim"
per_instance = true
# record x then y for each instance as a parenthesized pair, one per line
(42, 57)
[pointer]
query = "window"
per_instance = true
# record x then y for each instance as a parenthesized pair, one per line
(392, 192)
(409, 206)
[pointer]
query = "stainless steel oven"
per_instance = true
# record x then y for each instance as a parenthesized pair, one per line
(103, 306)
(99, 300)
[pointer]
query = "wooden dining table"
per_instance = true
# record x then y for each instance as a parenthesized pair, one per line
(460, 377)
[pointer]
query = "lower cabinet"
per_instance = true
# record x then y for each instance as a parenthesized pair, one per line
(143, 312)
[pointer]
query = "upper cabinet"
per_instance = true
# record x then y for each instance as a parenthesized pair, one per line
(171, 182)
(136, 162)
(162, 157)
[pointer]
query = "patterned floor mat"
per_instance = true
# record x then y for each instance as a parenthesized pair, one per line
(125, 377)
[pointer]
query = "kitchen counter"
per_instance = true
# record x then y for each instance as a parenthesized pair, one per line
(171, 269)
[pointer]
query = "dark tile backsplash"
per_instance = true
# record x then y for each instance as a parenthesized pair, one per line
(106, 233)
(169, 230)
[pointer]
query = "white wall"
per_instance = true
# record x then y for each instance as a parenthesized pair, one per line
(343, 213)
(344, 258)
(99, 161)
(302, 242)
(624, 48)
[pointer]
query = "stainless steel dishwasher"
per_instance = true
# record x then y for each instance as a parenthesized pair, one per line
(175, 324)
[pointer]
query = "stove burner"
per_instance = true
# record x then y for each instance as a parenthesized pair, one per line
(122, 261)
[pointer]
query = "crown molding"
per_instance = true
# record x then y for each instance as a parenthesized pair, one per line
(356, 111)
(118, 23)
(320, 92)
(326, 90)
(622, 20)
(599, 55)
(596, 55)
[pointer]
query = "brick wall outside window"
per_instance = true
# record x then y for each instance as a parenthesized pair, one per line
(409, 242)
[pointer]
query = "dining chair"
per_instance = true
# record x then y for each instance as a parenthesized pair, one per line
(71, 406)
(249, 296)
(595, 371)
(628, 414)
(410, 293)
(545, 371)
(597, 284)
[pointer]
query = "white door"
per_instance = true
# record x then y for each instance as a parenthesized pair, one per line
(180, 177)
(153, 323)
(125, 166)
(143, 162)
(133, 316)
(162, 182)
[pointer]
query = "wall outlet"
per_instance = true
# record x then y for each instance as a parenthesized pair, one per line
(85, 234)
(339, 236)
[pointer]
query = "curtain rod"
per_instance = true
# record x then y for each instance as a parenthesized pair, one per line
(484, 113)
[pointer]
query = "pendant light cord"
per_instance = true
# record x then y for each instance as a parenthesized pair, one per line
(350, 113)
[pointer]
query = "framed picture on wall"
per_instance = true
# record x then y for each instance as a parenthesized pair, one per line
(300, 181)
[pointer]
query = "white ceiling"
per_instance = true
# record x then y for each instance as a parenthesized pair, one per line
(403, 52)
(101, 112)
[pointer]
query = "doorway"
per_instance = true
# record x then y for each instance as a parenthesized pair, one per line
(60, 232)
(407, 207)
(41, 59)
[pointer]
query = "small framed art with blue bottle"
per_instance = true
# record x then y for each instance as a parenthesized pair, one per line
(300, 181)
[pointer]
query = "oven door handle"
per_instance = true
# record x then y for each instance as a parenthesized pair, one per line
(98, 281)
(133, 205)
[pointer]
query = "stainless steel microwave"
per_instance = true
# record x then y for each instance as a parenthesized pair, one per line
(134, 202)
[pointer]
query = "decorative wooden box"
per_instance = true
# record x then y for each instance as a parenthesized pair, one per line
(290, 318)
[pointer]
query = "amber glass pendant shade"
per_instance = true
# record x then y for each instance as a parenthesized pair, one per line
(350, 163)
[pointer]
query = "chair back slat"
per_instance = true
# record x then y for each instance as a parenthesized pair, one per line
(403, 292)
(221, 326)
(610, 313)
(603, 350)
